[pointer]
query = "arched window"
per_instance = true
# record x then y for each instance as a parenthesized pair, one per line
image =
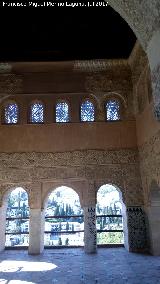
(113, 110)
(64, 222)
(87, 111)
(11, 113)
(37, 113)
(62, 112)
(17, 218)
(109, 216)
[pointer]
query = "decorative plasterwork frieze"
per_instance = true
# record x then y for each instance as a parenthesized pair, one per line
(98, 65)
(11, 83)
(5, 68)
(120, 168)
(75, 158)
(103, 83)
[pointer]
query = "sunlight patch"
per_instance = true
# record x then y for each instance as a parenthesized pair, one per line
(3, 281)
(19, 282)
(15, 266)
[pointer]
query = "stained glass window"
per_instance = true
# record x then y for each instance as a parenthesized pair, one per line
(37, 113)
(87, 111)
(113, 110)
(62, 112)
(11, 113)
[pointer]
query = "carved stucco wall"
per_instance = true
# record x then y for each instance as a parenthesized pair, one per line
(33, 170)
(156, 88)
(142, 16)
(141, 79)
(149, 149)
(143, 91)
(150, 165)
(11, 83)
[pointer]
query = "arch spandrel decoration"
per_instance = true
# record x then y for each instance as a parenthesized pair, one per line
(11, 83)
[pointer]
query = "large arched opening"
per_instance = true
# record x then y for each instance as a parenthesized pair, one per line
(17, 218)
(109, 216)
(64, 225)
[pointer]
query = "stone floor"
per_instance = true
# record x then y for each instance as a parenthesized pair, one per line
(73, 266)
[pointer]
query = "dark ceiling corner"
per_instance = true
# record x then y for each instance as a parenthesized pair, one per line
(64, 34)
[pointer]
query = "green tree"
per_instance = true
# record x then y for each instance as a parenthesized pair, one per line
(62, 211)
(67, 242)
(60, 227)
(57, 211)
(67, 226)
(67, 210)
(24, 210)
(59, 241)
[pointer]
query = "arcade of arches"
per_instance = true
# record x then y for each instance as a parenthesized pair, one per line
(86, 155)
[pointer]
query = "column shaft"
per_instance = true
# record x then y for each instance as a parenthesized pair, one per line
(154, 229)
(36, 231)
(90, 232)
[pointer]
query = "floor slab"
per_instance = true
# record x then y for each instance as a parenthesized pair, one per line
(73, 266)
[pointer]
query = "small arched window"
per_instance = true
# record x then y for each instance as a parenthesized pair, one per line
(62, 112)
(87, 111)
(11, 113)
(37, 113)
(113, 110)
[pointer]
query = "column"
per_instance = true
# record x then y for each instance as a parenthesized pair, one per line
(135, 233)
(100, 112)
(36, 231)
(90, 232)
(2, 227)
(75, 109)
